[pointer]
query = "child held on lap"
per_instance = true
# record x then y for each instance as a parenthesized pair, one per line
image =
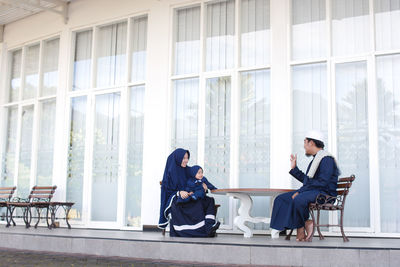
(195, 185)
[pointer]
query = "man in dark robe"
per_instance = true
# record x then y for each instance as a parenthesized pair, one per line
(290, 210)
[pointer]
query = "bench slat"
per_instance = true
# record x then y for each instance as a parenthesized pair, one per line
(40, 192)
(41, 196)
(44, 187)
(346, 185)
(346, 179)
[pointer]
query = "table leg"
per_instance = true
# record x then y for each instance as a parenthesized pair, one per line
(246, 203)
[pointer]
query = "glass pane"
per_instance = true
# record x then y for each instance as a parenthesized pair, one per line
(350, 27)
(82, 60)
(25, 156)
(254, 142)
(31, 72)
(352, 138)
(50, 67)
(310, 107)
(46, 143)
(135, 158)
(220, 31)
(309, 31)
(76, 156)
(217, 139)
(15, 79)
(8, 164)
(185, 116)
(111, 54)
(255, 33)
(187, 43)
(387, 20)
(139, 45)
(105, 158)
(388, 85)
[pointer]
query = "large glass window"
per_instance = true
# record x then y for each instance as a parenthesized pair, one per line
(353, 138)
(111, 54)
(388, 86)
(218, 137)
(350, 27)
(310, 107)
(112, 83)
(309, 29)
(8, 164)
(187, 40)
(387, 19)
(220, 29)
(46, 143)
(76, 155)
(186, 99)
(28, 149)
(255, 33)
(135, 157)
(105, 157)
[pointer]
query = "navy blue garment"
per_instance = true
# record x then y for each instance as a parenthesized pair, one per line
(192, 219)
(195, 185)
(173, 181)
(289, 213)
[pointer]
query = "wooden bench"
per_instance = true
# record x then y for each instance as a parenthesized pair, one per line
(6, 194)
(330, 203)
(39, 199)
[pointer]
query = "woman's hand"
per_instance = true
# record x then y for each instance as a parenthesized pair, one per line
(184, 194)
(205, 187)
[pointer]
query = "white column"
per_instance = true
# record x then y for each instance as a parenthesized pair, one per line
(281, 137)
(155, 150)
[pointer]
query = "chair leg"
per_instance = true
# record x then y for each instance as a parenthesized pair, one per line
(319, 230)
(38, 210)
(345, 239)
(289, 235)
(313, 221)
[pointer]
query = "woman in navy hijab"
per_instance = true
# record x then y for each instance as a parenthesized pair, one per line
(189, 219)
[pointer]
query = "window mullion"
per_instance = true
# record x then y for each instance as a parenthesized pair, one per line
(37, 113)
(40, 70)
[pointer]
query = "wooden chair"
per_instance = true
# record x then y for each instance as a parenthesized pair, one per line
(331, 203)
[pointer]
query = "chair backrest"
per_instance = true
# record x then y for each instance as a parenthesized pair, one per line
(6, 193)
(343, 187)
(42, 193)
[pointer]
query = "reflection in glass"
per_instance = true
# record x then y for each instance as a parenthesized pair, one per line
(8, 164)
(310, 107)
(15, 78)
(46, 143)
(187, 43)
(387, 20)
(350, 27)
(31, 71)
(76, 156)
(82, 60)
(220, 32)
(50, 67)
(135, 158)
(352, 138)
(185, 115)
(217, 139)
(105, 158)
(254, 142)
(309, 37)
(139, 44)
(255, 33)
(388, 85)
(25, 156)
(111, 54)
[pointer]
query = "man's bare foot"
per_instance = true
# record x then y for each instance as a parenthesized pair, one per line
(309, 228)
(301, 236)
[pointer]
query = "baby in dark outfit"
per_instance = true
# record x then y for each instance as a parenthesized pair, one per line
(195, 184)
